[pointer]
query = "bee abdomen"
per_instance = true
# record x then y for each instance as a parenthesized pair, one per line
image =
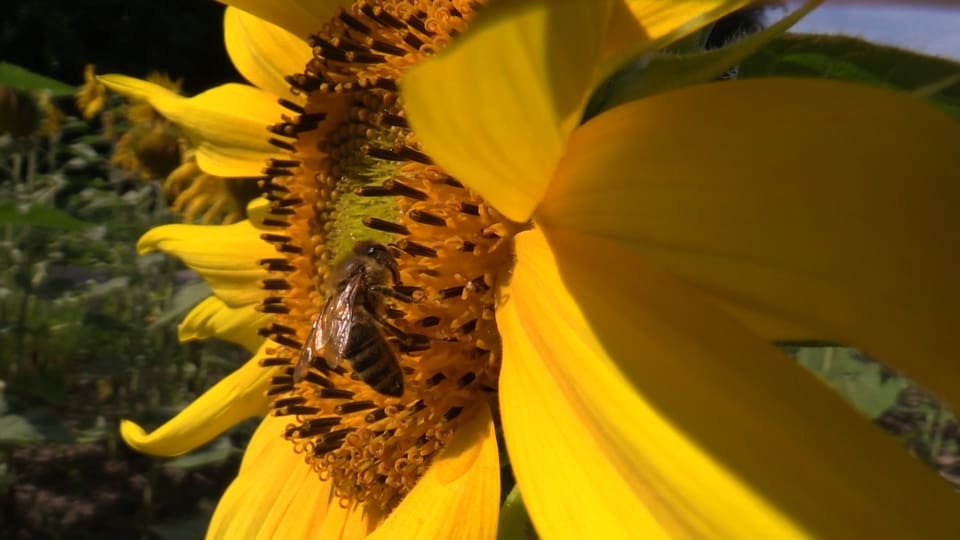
(377, 366)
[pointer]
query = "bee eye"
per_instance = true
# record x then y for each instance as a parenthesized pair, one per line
(365, 248)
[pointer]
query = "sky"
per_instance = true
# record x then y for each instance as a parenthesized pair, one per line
(929, 29)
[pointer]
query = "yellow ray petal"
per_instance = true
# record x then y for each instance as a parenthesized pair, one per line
(634, 408)
(458, 497)
(278, 496)
(299, 17)
(213, 318)
(228, 122)
(257, 210)
(502, 135)
(238, 396)
(224, 255)
(816, 209)
(263, 52)
(641, 26)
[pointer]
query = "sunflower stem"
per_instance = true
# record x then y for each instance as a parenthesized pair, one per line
(514, 522)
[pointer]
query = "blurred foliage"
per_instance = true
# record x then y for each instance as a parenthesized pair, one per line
(87, 329)
(87, 337)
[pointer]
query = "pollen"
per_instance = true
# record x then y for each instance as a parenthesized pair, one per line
(356, 173)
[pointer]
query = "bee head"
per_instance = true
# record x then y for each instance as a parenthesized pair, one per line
(379, 254)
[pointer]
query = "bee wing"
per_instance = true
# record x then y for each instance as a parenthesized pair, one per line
(312, 345)
(337, 320)
(320, 333)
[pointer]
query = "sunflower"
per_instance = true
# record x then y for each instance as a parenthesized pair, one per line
(606, 290)
(92, 95)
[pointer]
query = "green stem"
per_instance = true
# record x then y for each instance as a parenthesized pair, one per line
(514, 522)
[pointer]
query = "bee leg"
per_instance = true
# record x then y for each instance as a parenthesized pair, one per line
(414, 343)
(407, 342)
(391, 292)
(389, 327)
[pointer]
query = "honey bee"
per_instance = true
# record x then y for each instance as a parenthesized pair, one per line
(350, 325)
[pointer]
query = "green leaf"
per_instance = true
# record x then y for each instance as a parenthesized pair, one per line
(24, 79)
(214, 453)
(862, 382)
(97, 291)
(183, 301)
(38, 216)
(193, 526)
(99, 431)
(851, 59)
(37, 425)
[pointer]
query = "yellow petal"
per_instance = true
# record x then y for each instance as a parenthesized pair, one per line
(642, 26)
(263, 52)
(238, 396)
(502, 133)
(228, 123)
(257, 210)
(226, 256)
(634, 408)
(813, 209)
(299, 17)
(212, 318)
(278, 496)
(459, 495)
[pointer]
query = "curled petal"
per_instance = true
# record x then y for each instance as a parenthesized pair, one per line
(224, 255)
(239, 396)
(811, 209)
(634, 407)
(214, 318)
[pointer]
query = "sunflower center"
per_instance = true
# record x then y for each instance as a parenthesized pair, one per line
(385, 300)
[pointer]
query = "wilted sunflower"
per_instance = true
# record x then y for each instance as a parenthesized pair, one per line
(608, 288)
(152, 147)
(92, 95)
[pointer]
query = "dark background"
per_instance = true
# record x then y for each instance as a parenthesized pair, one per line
(183, 38)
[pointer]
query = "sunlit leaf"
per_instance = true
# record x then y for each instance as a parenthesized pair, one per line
(861, 381)
(852, 59)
